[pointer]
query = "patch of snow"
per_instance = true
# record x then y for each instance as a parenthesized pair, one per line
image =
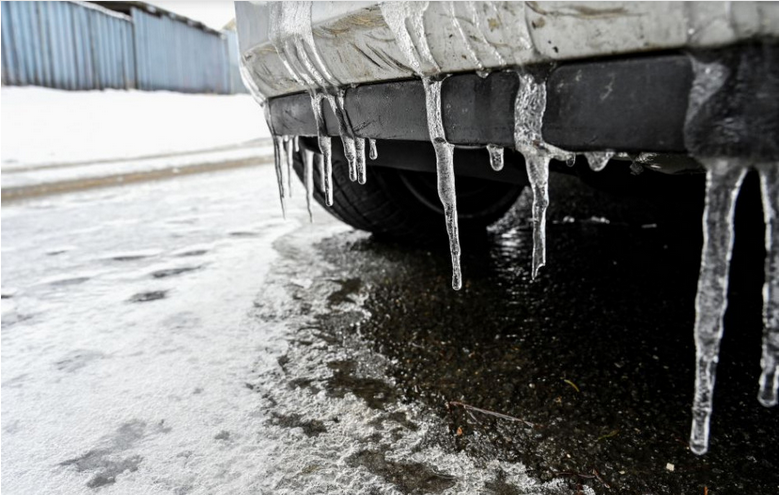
(45, 126)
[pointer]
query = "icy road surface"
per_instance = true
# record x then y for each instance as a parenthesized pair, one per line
(178, 336)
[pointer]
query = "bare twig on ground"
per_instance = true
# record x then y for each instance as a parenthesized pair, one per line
(490, 412)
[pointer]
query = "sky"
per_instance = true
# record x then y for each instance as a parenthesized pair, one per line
(214, 14)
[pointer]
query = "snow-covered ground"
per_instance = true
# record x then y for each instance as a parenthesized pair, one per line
(155, 341)
(43, 126)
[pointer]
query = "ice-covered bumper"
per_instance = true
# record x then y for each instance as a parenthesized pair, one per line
(357, 46)
(633, 104)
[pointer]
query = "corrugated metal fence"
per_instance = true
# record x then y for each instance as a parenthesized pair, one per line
(79, 46)
(172, 55)
(235, 78)
(66, 45)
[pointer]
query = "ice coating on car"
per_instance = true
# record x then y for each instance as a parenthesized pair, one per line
(478, 24)
(291, 33)
(373, 149)
(598, 160)
(495, 157)
(279, 146)
(465, 39)
(308, 181)
(413, 43)
(361, 160)
(406, 21)
(768, 382)
(529, 108)
(724, 178)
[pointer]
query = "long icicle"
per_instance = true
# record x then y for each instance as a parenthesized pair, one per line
(529, 108)
(724, 177)
(770, 353)
(324, 144)
(289, 151)
(444, 153)
(538, 172)
(361, 160)
(308, 180)
(279, 152)
(337, 102)
(319, 161)
(406, 21)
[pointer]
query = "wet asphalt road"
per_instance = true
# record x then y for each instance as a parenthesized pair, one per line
(179, 337)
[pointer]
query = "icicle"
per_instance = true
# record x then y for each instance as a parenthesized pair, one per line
(538, 172)
(724, 177)
(289, 151)
(598, 160)
(296, 143)
(444, 153)
(255, 92)
(337, 102)
(308, 180)
(373, 150)
(570, 161)
(361, 162)
(406, 21)
(319, 161)
(495, 157)
(325, 145)
(279, 151)
(529, 110)
(768, 383)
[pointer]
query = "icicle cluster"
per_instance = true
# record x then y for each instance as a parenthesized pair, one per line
(724, 178)
(291, 33)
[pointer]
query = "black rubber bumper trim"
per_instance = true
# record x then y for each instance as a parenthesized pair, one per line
(631, 104)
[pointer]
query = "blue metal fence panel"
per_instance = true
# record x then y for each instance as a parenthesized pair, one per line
(172, 55)
(80, 46)
(232, 49)
(67, 45)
